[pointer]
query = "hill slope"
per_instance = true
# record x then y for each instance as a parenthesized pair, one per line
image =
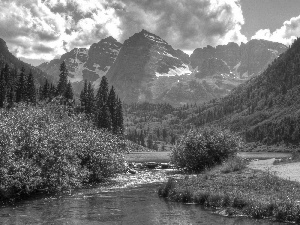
(266, 108)
(7, 57)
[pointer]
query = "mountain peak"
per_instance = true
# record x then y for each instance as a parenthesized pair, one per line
(146, 35)
(109, 39)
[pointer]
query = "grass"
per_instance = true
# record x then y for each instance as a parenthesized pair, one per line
(239, 190)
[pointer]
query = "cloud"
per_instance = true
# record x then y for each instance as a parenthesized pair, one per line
(286, 34)
(43, 29)
(42, 49)
(185, 24)
(36, 29)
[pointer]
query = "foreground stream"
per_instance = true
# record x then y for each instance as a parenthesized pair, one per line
(132, 199)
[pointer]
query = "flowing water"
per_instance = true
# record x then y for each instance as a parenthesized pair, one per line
(132, 199)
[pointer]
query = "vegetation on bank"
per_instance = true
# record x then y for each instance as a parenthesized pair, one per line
(225, 183)
(199, 150)
(247, 192)
(49, 148)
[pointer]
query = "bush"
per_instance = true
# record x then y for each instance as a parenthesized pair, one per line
(200, 150)
(49, 149)
(233, 165)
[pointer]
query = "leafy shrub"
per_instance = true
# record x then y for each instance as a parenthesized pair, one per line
(48, 148)
(200, 150)
(233, 165)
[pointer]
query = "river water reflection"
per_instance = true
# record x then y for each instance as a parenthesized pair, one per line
(132, 201)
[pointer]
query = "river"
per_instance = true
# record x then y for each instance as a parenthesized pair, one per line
(131, 199)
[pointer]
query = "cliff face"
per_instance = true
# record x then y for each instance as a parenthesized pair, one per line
(86, 64)
(233, 60)
(144, 59)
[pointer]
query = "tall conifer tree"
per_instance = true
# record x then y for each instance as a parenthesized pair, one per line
(90, 99)
(21, 87)
(30, 89)
(68, 94)
(83, 96)
(111, 103)
(2, 90)
(103, 118)
(11, 97)
(102, 94)
(63, 79)
(119, 117)
(45, 91)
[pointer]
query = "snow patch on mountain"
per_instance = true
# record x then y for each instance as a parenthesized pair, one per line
(101, 73)
(155, 39)
(184, 70)
(169, 55)
(77, 75)
(274, 51)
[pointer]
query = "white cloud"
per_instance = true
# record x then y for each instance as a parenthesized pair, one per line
(285, 34)
(43, 29)
(36, 29)
(185, 24)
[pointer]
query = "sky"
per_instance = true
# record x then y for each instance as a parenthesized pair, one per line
(40, 30)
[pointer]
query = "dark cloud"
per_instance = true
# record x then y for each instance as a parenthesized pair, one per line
(44, 36)
(42, 49)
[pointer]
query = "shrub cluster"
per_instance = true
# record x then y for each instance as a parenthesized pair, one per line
(47, 148)
(252, 193)
(203, 149)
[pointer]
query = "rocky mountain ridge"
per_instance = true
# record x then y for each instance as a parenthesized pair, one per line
(147, 68)
(86, 64)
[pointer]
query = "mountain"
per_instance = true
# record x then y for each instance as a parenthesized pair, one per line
(244, 61)
(7, 57)
(90, 64)
(266, 108)
(147, 68)
(142, 65)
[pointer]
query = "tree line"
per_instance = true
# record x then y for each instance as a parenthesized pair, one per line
(104, 108)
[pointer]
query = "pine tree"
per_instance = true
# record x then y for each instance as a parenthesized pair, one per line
(68, 94)
(6, 75)
(119, 117)
(83, 96)
(90, 99)
(63, 79)
(44, 94)
(2, 90)
(30, 89)
(52, 91)
(111, 103)
(103, 118)
(11, 97)
(102, 94)
(21, 87)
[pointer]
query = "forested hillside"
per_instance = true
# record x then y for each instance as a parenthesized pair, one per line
(264, 109)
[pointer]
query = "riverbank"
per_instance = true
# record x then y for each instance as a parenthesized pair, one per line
(254, 193)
